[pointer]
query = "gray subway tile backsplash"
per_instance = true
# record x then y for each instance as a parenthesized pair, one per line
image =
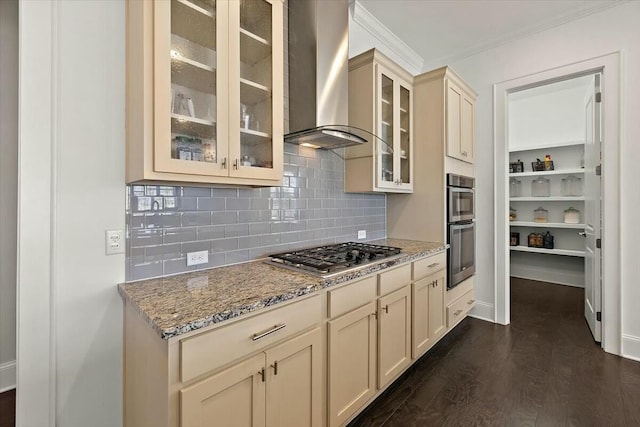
(242, 224)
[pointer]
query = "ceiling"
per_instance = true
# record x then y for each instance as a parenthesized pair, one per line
(446, 30)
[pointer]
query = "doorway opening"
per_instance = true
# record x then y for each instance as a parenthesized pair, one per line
(553, 139)
(546, 175)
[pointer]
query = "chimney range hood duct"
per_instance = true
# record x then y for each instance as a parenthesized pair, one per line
(318, 75)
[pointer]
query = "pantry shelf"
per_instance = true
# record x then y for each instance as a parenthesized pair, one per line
(566, 252)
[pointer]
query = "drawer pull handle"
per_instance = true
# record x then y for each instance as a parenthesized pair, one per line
(457, 312)
(471, 301)
(433, 265)
(275, 367)
(260, 335)
(261, 373)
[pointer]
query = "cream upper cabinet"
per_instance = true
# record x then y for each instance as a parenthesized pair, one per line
(381, 102)
(205, 91)
(459, 120)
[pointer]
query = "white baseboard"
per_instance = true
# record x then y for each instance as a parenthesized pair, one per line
(483, 311)
(7, 376)
(551, 276)
(631, 347)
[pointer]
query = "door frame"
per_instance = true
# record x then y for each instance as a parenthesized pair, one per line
(609, 65)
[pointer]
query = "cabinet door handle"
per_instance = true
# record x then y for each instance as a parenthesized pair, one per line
(235, 164)
(582, 233)
(457, 312)
(261, 373)
(433, 265)
(471, 301)
(275, 367)
(276, 328)
(464, 153)
(375, 314)
(224, 163)
(386, 308)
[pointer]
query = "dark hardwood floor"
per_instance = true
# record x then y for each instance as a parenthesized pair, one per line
(542, 370)
(8, 408)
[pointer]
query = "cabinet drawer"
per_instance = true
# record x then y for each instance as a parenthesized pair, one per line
(394, 279)
(351, 296)
(426, 266)
(460, 307)
(208, 351)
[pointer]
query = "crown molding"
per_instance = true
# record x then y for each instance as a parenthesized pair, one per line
(387, 38)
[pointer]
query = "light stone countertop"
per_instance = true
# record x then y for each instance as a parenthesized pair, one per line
(179, 304)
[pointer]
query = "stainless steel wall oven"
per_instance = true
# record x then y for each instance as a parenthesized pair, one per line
(461, 232)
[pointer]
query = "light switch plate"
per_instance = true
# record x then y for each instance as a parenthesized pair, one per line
(114, 242)
(362, 234)
(197, 258)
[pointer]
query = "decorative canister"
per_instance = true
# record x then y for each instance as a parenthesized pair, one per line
(515, 186)
(512, 214)
(572, 216)
(548, 241)
(571, 186)
(540, 187)
(540, 215)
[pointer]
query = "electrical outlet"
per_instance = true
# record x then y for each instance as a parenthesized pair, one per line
(362, 234)
(197, 258)
(113, 242)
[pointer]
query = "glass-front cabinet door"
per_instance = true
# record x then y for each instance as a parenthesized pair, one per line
(218, 88)
(255, 92)
(190, 136)
(394, 149)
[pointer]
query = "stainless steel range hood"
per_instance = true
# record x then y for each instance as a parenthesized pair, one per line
(318, 75)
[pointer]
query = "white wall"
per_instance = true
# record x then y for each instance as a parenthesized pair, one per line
(8, 188)
(612, 30)
(87, 193)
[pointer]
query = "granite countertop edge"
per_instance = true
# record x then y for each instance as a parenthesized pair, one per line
(316, 284)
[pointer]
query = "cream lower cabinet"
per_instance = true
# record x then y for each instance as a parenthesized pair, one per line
(234, 397)
(352, 362)
(428, 312)
(279, 387)
(394, 334)
(370, 345)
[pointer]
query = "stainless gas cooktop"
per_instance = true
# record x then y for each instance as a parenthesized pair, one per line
(327, 261)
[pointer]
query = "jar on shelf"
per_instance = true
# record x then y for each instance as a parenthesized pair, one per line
(571, 186)
(548, 241)
(512, 214)
(540, 215)
(515, 239)
(572, 216)
(515, 187)
(541, 187)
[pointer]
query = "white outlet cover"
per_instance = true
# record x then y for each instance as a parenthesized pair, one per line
(114, 242)
(362, 234)
(197, 258)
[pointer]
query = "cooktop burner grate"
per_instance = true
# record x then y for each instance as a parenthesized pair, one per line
(331, 259)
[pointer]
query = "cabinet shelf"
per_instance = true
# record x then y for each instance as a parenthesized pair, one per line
(252, 92)
(548, 199)
(196, 8)
(253, 47)
(193, 74)
(566, 252)
(553, 172)
(255, 133)
(385, 101)
(545, 224)
(192, 126)
(194, 23)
